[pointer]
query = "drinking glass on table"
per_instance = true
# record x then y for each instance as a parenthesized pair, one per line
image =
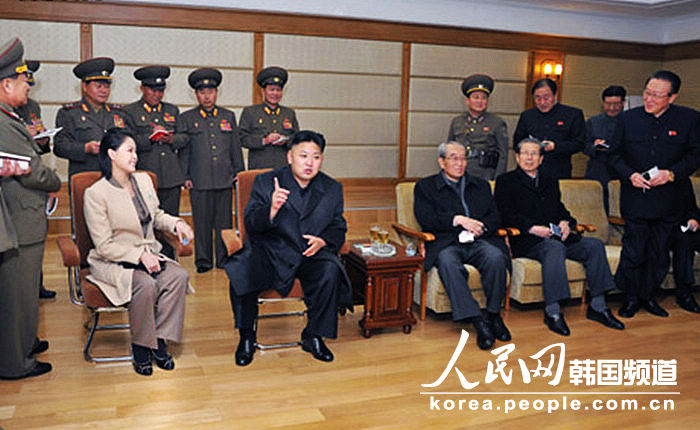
(383, 240)
(374, 235)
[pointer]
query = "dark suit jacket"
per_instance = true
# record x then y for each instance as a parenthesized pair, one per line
(523, 205)
(562, 124)
(435, 205)
(273, 251)
(672, 142)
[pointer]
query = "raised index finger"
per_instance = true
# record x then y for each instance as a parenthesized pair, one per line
(277, 184)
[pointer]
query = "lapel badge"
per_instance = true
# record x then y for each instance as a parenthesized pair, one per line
(560, 122)
(225, 125)
(486, 129)
(672, 133)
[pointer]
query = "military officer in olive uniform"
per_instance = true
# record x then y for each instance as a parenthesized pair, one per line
(210, 160)
(30, 113)
(150, 116)
(85, 122)
(484, 134)
(25, 196)
(265, 128)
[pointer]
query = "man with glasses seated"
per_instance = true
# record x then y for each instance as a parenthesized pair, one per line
(530, 200)
(459, 210)
(656, 148)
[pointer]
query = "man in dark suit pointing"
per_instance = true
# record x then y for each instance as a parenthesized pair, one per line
(295, 226)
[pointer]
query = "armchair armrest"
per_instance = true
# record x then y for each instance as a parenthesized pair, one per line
(172, 240)
(616, 220)
(69, 251)
(231, 240)
(585, 227)
(507, 231)
(404, 230)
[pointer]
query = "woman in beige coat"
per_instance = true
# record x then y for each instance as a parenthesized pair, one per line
(121, 211)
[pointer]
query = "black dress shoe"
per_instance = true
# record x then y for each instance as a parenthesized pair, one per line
(245, 351)
(629, 308)
(39, 346)
(317, 348)
(39, 369)
(557, 324)
(688, 303)
(484, 335)
(203, 269)
(46, 294)
(606, 318)
(653, 308)
(499, 329)
(166, 363)
(145, 368)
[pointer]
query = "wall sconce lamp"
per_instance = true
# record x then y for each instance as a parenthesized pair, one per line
(552, 70)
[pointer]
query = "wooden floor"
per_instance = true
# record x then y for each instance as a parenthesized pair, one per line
(373, 383)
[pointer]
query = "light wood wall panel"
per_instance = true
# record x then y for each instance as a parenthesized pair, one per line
(350, 127)
(342, 91)
(460, 62)
(349, 90)
(332, 54)
(360, 161)
(436, 97)
(154, 45)
(585, 78)
(44, 41)
(689, 71)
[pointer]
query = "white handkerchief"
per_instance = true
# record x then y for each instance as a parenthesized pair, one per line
(466, 236)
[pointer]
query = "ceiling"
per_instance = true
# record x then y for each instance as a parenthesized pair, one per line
(649, 21)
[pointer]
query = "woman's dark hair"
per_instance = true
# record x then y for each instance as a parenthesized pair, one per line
(307, 136)
(544, 82)
(113, 139)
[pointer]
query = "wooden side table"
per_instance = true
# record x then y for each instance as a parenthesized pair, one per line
(385, 284)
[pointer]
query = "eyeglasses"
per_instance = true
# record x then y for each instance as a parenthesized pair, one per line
(657, 96)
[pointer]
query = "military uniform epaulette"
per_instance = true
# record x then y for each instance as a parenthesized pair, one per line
(72, 105)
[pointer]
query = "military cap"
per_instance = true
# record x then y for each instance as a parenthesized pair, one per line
(11, 62)
(153, 76)
(477, 83)
(33, 66)
(95, 69)
(272, 76)
(204, 78)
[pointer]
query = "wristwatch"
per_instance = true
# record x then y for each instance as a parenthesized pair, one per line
(671, 176)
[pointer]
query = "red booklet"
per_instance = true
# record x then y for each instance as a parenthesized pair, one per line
(158, 134)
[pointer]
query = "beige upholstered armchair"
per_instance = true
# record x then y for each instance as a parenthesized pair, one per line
(431, 293)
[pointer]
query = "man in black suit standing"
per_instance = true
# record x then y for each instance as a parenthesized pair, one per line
(560, 127)
(656, 148)
(530, 200)
(684, 243)
(295, 225)
(459, 210)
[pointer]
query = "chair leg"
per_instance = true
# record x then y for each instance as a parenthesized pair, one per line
(266, 347)
(94, 327)
(423, 293)
(583, 293)
(506, 305)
